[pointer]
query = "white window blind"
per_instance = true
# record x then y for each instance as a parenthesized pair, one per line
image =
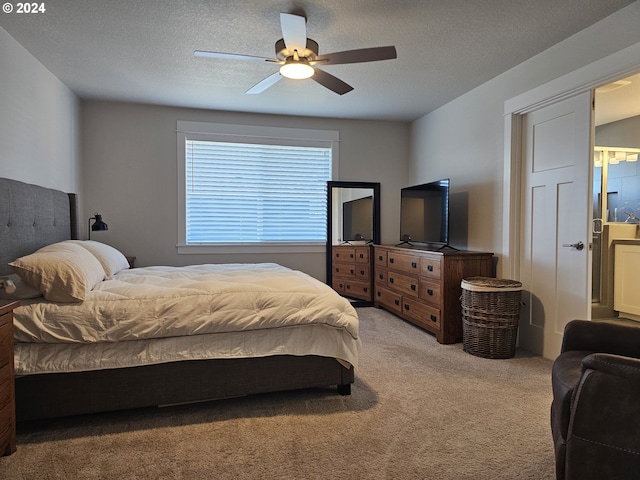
(255, 193)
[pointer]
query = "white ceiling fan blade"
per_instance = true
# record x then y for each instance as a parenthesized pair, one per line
(332, 83)
(232, 56)
(264, 84)
(294, 31)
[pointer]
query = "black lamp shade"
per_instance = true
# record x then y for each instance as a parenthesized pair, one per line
(99, 224)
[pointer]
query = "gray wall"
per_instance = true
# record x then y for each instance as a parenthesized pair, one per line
(464, 139)
(39, 118)
(129, 175)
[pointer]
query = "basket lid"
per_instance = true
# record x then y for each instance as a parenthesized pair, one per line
(488, 284)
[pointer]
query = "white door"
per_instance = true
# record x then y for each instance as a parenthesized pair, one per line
(555, 222)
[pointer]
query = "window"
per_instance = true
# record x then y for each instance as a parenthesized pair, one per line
(253, 187)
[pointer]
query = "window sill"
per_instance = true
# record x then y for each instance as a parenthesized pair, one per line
(225, 249)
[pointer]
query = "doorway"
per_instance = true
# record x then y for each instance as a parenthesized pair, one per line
(586, 79)
(616, 185)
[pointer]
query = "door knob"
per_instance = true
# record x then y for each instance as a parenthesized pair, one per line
(577, 246)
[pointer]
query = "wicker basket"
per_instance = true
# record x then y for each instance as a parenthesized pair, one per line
(490, 315)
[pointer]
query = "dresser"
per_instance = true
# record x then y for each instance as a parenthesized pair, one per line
(7, 388)
(351, 271)
(423, 286)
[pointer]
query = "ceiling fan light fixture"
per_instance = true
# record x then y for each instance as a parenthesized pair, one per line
(296, 70)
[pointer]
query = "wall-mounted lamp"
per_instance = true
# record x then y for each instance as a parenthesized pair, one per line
(98, 225)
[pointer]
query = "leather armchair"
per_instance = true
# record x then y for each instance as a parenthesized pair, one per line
(595, 414)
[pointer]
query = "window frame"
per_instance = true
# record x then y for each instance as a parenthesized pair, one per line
(222, 132)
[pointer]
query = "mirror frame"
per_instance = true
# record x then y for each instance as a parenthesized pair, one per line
(375, 186)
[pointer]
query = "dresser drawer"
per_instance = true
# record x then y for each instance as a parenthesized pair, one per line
(6, 424)
(405, 284)
(362, 255)
(344, 270)
(389, 299)
(420, 313)
(406, 263)
(430, 292)
(338, 284)
(344, 254)
(430, 267)
(357, 289)
(362, 272)
(6, 344)
(6, 387)
(380, 259)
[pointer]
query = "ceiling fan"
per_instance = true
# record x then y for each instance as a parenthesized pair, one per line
(299, 59)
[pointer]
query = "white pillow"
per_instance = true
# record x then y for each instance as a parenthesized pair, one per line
(111, 259)
(63, 272)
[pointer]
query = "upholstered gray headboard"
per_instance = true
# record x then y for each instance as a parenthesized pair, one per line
(32, 217)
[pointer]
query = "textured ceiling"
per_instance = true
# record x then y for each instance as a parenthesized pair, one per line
(142, 50)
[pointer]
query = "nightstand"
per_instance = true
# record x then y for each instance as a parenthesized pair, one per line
(7, 386)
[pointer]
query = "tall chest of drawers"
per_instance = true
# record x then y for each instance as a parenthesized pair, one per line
(7, 386)
(351, 271)
(423, 286)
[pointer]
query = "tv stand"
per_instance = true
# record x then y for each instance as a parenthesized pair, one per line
(422, 285)
(405, 242)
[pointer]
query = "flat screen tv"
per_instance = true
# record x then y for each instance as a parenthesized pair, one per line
(424, 213)
(357, 218)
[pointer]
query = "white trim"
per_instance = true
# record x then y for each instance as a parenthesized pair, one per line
(613, 67)
(226, 249)
(230, 130)
(623, 63)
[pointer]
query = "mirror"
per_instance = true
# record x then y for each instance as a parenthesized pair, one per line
(353, 218)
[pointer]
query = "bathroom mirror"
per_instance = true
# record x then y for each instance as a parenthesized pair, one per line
(353, 216)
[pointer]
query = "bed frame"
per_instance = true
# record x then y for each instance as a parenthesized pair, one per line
(37, 216)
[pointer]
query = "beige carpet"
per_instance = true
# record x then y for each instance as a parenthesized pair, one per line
(418, 410)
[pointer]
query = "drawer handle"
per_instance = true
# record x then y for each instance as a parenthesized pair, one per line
(361, 272)
(348, 287)
(430, 268)
(362, 255)
(381, 276)
(430, 292)
(434, 318)
(378, 293)
(380, 257)
(414, 265)
(391, 280)
(337, 270)
(413, 287)
(351, 255)
(391, 260)
(406, 306)
(397, 302)
(365, 289)
(352, 271)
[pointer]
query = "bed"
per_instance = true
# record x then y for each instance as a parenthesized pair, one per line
(128, 338)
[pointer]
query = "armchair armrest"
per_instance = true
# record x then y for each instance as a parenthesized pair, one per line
(602, 440)
(625, 367)
(602, 337)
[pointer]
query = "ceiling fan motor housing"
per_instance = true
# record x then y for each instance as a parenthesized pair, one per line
(309, 53)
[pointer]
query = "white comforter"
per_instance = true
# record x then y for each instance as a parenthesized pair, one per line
(201, 305)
